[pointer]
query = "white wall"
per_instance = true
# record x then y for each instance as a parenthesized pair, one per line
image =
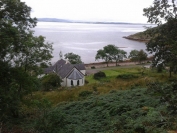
(67, 82)
(83, 71)
(64, 82)
(81, 82)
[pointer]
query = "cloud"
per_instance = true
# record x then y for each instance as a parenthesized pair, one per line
(111, 10)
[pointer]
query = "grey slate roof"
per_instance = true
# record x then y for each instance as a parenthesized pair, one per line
(63, 69)
(75, 74)
(80, 66)
(56, 67)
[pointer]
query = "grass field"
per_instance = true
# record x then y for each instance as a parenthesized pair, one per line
(119, 103)
(105, 85)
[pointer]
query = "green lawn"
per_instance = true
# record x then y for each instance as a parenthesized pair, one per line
(105, 85)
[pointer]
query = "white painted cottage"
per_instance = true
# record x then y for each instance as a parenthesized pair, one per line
(71, 74)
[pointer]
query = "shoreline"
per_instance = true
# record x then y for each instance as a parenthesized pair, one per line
(113, 64)
(136, 39)
(110, 64)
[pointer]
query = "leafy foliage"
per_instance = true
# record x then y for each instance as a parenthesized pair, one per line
(138, 56)
(102, 55)
(134, 55)
(21, 53)
(160, 11)
(93, 67)
(73, 58)
(50, 81)
(47, 119)
(99, 75)
(163, 39)
(167, 94)
(85, 93)
(52, 122)
(123, 111)
(104, 106)
(127, 76)
(104, 85)
(110, 53)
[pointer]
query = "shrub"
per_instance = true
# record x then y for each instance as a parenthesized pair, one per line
(167, 94)
(51, 122)
(86, 81)
(85, 93)
(112, 91)
(95, 88)
(127, 111)
(160, 68)
(126, 76)
(99, 75)
(50, 81)
(92, 67)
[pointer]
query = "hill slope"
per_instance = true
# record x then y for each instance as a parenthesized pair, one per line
(141, 36)
(125, 111)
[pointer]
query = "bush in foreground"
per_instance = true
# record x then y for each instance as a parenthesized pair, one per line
(123, 111)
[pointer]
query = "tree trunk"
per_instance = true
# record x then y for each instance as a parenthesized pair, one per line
(107, 64)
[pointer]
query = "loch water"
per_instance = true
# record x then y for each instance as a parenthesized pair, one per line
(85, 39)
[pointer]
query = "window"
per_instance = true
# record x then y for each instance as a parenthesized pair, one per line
(78, 82)
(71, 82)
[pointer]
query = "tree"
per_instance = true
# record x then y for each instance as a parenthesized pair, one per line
(142, 56)
(163, 39)
(119, 56)
(161, 11)
(102, 55)
(139, 56)
(73, 58)
(134, 55)
(110, 53)
(21, 54)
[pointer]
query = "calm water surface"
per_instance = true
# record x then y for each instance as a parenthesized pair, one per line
(86, 39)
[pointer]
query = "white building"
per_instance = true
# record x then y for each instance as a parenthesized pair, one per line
(71, 74)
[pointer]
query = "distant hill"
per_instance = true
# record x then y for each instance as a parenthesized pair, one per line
(78, 21)
(54, 20)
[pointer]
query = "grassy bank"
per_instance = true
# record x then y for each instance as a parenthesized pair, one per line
(105, 85)
(119, 111)
(105, 113)
(119, 103)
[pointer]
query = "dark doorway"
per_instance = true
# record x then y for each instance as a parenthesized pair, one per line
(71, 82)
(78, 82)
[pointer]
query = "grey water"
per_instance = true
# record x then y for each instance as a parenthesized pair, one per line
(85, 39)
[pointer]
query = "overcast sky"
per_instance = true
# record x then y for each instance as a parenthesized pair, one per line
(90, 10)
